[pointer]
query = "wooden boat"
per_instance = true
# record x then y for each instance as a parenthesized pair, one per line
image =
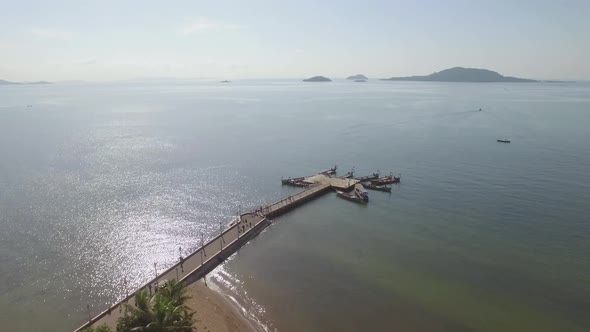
(349, 175)
(503, 141)
(377, 187)
(352, 196)
(361, 193)
(368, 177)
(386, 180)
(290, 181)
(298, 182)
(331, 171)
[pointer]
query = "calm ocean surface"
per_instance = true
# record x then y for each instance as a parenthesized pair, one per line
(99, 181)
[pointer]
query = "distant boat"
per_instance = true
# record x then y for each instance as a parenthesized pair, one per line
(360, 81)
(225, 81)
(503, 141)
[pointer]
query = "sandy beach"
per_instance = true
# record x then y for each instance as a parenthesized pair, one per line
(215, 312)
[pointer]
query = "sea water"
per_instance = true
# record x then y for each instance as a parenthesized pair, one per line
(99, 181)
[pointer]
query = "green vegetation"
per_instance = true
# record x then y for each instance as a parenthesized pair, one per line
(102, 328)
(162, 311)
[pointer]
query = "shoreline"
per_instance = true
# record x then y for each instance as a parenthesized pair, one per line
(215, 312)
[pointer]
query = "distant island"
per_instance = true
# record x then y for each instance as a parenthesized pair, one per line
(3, 82)
(360, 80)
(357, 77)
(317, 79)
(460, 74)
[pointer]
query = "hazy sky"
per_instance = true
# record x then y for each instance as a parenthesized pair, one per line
(106, 40)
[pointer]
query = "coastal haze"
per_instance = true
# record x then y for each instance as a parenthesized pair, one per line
(99, 181)
(67, 40)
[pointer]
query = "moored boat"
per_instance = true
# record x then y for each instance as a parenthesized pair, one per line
(291, 180)
(349, 175)
(503, 141)
(351, 197)
(368, 177)
(377, 187)
(331, 171)
(361, 193)
(386, 180)
(302, 184)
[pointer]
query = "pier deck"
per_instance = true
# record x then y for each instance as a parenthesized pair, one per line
(335, 182)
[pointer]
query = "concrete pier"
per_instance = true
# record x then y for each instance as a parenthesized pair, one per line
(216, 250)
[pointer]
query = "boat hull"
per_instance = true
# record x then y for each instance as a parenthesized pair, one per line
(378, 188)
(367, 178)
(388, 180)
(352, 198)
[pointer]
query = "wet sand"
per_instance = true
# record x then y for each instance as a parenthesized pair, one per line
(215, 312)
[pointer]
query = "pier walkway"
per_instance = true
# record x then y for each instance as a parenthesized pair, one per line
(214, 252)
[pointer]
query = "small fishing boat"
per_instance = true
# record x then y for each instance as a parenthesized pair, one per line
(361, 193)
(331, 171)
(377, 187)
(503, 141)
(349, 175)
(296, 182)
(368, 177)
(352, 196)
(290, 181)
(386, 180)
